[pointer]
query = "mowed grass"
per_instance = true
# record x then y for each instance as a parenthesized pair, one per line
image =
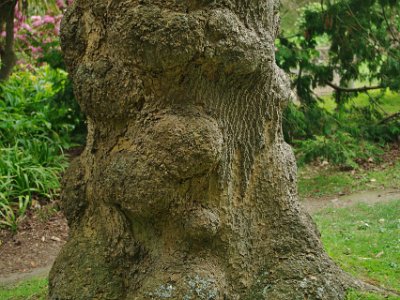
(325, 182)
(354, 295)
(35, 289)
(365, 241)
(389, 103)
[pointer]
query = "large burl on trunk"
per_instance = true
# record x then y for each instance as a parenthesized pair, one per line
(186, 188)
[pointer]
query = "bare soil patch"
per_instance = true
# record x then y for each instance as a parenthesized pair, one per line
(313, 205)
(34, 247)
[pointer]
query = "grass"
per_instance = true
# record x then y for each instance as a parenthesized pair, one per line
(390, 102)
(365, 241)
(35, 289)
(354, 295)
(319, 183)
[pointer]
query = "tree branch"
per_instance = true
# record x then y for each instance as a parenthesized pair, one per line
(390, 118)
(353, 90)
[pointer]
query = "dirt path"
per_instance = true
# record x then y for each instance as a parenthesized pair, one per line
(314, 205)
(31, 252)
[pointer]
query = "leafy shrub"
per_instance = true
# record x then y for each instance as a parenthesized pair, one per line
(36, 127)
(340, 148)
(370, 122)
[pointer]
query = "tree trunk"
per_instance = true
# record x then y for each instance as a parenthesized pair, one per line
(186, 188)
(7, 55)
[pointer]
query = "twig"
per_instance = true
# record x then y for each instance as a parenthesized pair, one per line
(353, 90)
(390, 118)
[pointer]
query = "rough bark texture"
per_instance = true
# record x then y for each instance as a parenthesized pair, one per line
(186, 188)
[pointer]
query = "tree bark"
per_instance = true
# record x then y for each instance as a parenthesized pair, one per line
(186, 188)
(7, 55)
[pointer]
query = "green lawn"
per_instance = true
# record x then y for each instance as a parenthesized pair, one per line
(365, 241)
(318, 183)
(390, 102)
(35, 289)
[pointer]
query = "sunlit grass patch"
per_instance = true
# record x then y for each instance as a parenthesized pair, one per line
(328, 182)
(35, 289)
(365, 241)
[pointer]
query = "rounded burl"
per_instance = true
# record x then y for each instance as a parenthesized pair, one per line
(186, 189)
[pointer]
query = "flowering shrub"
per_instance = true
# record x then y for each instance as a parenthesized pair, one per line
(37, 37)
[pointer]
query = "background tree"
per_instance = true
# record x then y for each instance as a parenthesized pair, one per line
(29, 28)
(351, 47)
(363, 41)
(7, 55)
(186, 188)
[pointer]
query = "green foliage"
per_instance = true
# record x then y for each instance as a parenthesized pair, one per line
(339, 148)
(36, 127)
(7, 215)
(360, 42)
(347, 136)
(364, 241)
(352, 41)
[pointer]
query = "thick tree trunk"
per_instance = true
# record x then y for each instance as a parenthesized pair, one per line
(7, 55)
(186, 188)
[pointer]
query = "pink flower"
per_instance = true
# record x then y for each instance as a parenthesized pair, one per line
(36, 18)
(48, 20)
(35, 49)
(37, 23)
(21, 37)
(26, 26)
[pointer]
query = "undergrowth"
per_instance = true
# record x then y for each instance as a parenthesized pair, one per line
(347, 136)
(37, 122)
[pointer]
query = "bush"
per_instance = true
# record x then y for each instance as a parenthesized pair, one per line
(340, 148)
(35, 129)
(345, 136)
